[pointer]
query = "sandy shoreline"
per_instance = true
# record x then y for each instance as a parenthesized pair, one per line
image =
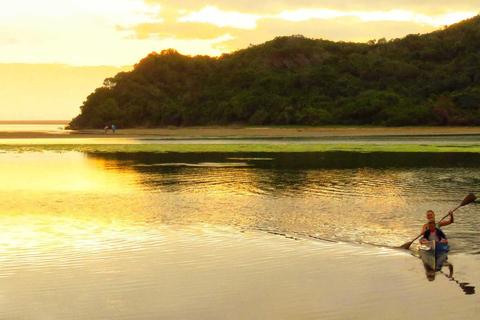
(249, 132)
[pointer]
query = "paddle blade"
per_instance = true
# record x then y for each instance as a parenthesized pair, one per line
(470, 198)
(406, 245)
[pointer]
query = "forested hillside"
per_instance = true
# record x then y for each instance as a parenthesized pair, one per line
(431, 79)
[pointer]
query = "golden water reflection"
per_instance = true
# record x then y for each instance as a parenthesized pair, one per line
(62, 200)
(115, 236)
(311, 202)
(68, 171)
(382, 206)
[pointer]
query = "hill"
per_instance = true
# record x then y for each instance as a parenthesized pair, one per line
(430, 79)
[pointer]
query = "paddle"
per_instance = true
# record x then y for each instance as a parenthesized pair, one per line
(470, 198)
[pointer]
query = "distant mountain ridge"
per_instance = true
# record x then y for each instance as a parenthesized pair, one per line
(430, 79)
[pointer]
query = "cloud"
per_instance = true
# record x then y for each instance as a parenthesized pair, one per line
(119, 32)
(243, 6)
(181, 31)
(221, 18)
(51, 9)
(344, 21)
(355, 26)
(348, 29)
(375, 15)
(267, 7)
(77, 32)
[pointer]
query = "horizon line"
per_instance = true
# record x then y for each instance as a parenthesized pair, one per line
(19, 121)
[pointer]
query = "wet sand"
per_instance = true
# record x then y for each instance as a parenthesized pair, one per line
(247, 132)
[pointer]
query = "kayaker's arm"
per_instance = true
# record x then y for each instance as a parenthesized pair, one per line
(442, 236)
(444, 240)
(424, 237)
(446, 223)
(424, 228)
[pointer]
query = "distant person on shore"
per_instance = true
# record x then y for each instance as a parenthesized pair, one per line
(106, 129)
(431, 216)
(113, 128)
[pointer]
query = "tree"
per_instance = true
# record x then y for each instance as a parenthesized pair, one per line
(431, 79)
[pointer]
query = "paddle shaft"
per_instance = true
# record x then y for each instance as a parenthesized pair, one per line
(468, 199)
(438, 222)
(449, 213)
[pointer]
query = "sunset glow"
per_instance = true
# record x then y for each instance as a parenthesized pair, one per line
(392, 15)
(220, 18)
(119, 33)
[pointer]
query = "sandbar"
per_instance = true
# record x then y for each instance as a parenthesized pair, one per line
(243, 132)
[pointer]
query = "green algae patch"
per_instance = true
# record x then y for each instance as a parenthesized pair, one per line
(185, 148)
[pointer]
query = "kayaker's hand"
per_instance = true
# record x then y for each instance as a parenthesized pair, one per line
(444, 240)
(450, 213)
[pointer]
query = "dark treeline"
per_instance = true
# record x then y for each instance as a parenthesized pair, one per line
(431, 79)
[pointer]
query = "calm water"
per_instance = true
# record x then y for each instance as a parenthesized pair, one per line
(43, 127)
(117, 231)
(370, 198)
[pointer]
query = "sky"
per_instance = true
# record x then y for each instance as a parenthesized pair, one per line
(53, 53)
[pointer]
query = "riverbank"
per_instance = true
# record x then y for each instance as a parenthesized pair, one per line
(254, 139)
(245, 132)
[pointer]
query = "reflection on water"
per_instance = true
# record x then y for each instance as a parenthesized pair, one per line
(43, 127)
(333, 196)
(137, 235)
(377, 198)
(59, 172)
(189, 273)
(431, 274)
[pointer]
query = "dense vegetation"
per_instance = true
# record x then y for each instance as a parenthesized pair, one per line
(431, 79)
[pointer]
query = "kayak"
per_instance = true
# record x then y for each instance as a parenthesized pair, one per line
(433, 254)
(426, 251)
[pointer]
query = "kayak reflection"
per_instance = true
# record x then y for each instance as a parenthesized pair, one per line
(465, 286)
(468, 289)
(439, 261)
(430, 273)
(434, 256)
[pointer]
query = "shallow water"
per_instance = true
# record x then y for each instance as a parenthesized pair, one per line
(205, 272)
(40, 127)
(366, 198)
(379, 199)
(253, 235)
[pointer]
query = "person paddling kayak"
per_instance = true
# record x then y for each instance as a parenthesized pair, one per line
(431, 216)
(433, 233)
(468, 199)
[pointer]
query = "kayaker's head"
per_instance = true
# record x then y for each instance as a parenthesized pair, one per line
(430, 215)
(431, 225)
